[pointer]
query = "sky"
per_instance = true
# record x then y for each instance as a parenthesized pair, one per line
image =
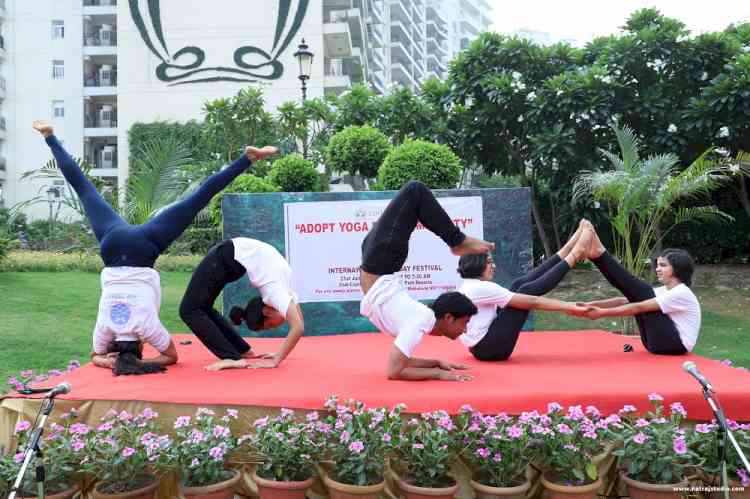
(583, 20)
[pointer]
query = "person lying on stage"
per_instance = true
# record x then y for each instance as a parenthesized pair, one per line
(492, 333)
(131, 290)
(386, 302)
(270, 273)
(668, 317)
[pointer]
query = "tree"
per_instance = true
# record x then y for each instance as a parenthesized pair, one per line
(433, 164)
(357, 150)
(293, 173)
(243, 183)
(232, 123)
(643, 196)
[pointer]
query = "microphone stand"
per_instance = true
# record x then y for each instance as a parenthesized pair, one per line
(34, 452)
(723, 434)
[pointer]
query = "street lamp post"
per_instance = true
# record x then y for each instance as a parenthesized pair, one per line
(305, 58)
(53, 196)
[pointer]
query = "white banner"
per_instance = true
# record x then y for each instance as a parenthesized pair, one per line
(324, 239)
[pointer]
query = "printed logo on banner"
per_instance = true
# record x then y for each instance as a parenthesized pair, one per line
(323, 247)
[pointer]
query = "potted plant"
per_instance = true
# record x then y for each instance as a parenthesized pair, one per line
(428, 446)
(705, 443)
(654, 455)
(60, 453)
(199, 454)
(288, 448)
(493, 448)
(357, 442)
(120, 453)
(566, 445)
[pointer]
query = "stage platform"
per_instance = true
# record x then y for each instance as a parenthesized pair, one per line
(581, 367)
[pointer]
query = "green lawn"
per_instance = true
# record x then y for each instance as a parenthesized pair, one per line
(46, 319)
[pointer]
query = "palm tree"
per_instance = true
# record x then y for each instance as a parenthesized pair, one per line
(642, 194)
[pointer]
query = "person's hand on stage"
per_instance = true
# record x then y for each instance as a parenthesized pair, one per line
(252, 355)
(594, 313)
(270, 361)
(451, 376)
(260, 153)
(227, 364)
(43, 127)
(447, 366)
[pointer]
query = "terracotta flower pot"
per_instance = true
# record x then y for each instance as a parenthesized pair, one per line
(338, 490)
(65, 494)
(643, 490)
(221, 490)
(483, 491)
(145, 492)
(413, 492)
(272, 489)
(560, 491)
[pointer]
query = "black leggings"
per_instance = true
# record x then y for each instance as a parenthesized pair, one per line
(215, 271)
(386, 247)
(502, 335)
(659, 334)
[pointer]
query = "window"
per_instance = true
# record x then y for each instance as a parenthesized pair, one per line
(58, 29)
(58, 109)
(58, 70)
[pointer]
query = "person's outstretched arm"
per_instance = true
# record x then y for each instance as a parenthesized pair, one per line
(402, 367)
(529, 302)
(296, 330)
(165, 358)
(608, 303)
(636, 308)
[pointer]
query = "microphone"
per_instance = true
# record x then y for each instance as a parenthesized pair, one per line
(60, 389)
(690, 368)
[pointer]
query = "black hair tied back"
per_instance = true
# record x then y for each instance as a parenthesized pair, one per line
(237, 314)
(129, 359)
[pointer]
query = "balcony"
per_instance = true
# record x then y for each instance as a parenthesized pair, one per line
(99, 7)
(101, 154)
(100, 80)
(2, 48)
(100, 40)
(400, 74)
(3, 90)
(3, 129)
(2, 10)
(100, 120)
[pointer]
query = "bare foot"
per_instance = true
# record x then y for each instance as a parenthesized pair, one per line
(580, 250)
(472, 246)
(260, 153)
(565, 250)
(596, 248)
(43, 127)
(227, 364)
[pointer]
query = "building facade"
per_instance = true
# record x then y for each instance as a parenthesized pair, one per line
(96, 67)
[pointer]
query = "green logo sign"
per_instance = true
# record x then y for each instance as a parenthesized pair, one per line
(186, 64)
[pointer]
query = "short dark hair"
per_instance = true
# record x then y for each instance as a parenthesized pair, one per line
(472, 266)
(681, 262)
(454, 303)
(129, 361)
(252, 314)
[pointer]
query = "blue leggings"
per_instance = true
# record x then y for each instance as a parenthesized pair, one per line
(122, 244)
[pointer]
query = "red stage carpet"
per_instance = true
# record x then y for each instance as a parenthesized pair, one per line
(566, 367)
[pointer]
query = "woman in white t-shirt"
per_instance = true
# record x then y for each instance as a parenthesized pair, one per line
(668, 317)
(493, 332)
(267, 271)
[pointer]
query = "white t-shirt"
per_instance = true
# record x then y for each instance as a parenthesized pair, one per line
(487, 296)
(267, 270)
(129, 308)
(681, 305)
(390, 308)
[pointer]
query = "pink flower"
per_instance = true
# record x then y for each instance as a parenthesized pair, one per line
(640, 438)
(565, 429)
(575, 412)
(497, 457)
(233, 413)
(195, 462)
(417, 446)
(18, 458)
(78, 446)
(744, 478)
(221, 432)
(202, 411)
(124, 416)
(197, 436)
(217, 453)
(593, 411)
(590, 434)
(483, 453)
(261, 422)
(514, 432)
(627, 409)
(641, 423)
(466, 408)
(445, 423)
(22, 426)
(286, 413)
(28, 373)
(387, 437)
(677, 408)
(128, 451)
(679, 446)
(703, 428)
(726, 362)
(356, 447)
(553, 407)
(312, 416)
(79, 429)
(571, 447)
(345, 436)
(181, 422)
(655, 397)
(149, 413)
